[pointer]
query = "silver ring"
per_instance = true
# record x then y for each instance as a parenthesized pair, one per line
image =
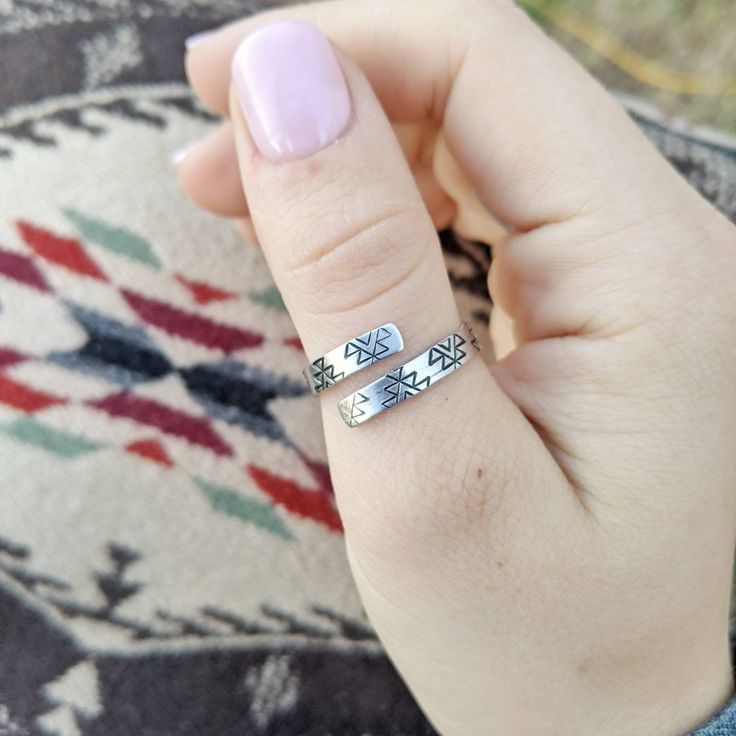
(400, 384)
(352, 356)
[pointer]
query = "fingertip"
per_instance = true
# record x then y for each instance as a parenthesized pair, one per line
(207, 171)
(198, 38)
(177, 156)
(205, 58)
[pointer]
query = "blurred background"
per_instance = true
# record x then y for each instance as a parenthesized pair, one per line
(677, 54)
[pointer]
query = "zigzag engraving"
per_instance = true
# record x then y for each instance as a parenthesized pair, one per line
(402, 386)
(324, 374)
(449, 353)
(351, 411)
(370, 347)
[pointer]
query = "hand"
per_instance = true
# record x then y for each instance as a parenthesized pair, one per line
(544, 544)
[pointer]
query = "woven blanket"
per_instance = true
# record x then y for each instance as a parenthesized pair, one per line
(171, 560)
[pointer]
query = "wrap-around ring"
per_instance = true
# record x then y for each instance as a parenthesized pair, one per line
(411, 378)
(353, 356)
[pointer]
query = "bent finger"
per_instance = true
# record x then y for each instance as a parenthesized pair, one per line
(537, 146)
(207, 171)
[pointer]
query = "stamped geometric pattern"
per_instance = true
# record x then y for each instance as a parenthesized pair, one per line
(324, 374)
(351, 410)
(400, 385)
(352, 356)
(369, 348)
(448, 352)
(411, 378)
(128, 355)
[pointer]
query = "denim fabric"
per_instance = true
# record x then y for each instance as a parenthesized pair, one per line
(722, 723)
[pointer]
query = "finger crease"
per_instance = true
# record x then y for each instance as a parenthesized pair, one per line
(337, 244)
(402, 278)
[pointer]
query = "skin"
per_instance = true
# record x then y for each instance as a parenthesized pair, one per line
(544, 545)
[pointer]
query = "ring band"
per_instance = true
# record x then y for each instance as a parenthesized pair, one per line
(442, 359)
(352, 356)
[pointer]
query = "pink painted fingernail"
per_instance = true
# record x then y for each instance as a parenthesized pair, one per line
(291, 88)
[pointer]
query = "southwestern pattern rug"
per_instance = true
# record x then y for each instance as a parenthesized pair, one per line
(171, 560)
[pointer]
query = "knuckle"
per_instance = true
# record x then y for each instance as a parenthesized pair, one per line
(348, 263)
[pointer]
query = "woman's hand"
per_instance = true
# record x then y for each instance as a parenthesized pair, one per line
(544, 545)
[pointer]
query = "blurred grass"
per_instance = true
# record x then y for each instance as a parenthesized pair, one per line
(690, 44)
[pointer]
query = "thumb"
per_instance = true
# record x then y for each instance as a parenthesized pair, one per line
(335, 207)
(351, 247)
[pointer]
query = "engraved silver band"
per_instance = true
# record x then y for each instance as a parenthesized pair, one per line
(352, 356)
(442, 359)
